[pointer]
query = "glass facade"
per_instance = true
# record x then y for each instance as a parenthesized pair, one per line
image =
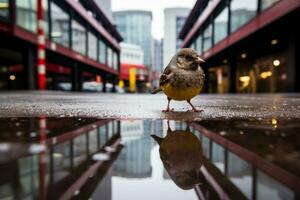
(218, 156)
(102, 52)
(29, 178)
(240, 173)
(199, 44)
(207, 38)
(93, 142)
(218, 80)
(78, 37)
(116, 61)
(26, 14)
(242, 11)
(179, 23)
(109, 57)
(135, 28)
(268, 186)
(92, 44)
(79, 149)
(221, 26)
(60, 25)
(102, 135)
(70, 32)
(61, 160)
(206, 146)
(263, 75)
(267, 3)
(4, 8)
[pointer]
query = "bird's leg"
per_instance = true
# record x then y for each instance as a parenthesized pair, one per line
(168, 107)
(194, 109)
(169, 128)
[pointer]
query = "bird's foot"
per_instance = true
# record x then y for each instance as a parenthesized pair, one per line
(166, 110)
(196, 110)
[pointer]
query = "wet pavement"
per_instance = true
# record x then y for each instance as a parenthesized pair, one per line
(146, 106)
(116, 146)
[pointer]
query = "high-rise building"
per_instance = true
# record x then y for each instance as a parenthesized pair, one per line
(135, 28)
(250, 46)
(134, 160)
(105, 6)
(173, 22)
(158, 55)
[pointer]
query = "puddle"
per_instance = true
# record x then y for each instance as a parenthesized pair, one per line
(89, 158)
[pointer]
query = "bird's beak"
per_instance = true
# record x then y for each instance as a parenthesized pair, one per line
(200, 60)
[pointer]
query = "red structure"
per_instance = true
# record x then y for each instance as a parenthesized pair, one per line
(249, 46)
(41, 47)
(141, 76)
(77, 37)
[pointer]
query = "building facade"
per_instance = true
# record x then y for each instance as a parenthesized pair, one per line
(135, 160)
(133, 73)
(105, 6)
(158, 55)
(131, 54)
(174, 19)
(135, 28)
(249, 46)
(81, 44)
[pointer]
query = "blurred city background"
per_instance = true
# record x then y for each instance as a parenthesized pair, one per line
(250, 46)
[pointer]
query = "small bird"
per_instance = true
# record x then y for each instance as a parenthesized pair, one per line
(183, 78)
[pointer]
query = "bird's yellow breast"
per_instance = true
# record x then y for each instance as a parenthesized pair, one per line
(180, 94)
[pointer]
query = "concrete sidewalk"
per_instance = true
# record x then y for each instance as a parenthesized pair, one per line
(145, 106)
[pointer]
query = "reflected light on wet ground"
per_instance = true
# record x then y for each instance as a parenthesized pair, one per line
(89, 158)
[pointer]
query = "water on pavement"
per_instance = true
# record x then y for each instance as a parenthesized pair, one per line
(90, 158)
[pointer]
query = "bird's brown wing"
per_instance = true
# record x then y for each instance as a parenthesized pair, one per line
(164, 78)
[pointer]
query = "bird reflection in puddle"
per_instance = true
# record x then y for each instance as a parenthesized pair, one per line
(181, 154)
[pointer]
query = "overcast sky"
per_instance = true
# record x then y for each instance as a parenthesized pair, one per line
(156, 6)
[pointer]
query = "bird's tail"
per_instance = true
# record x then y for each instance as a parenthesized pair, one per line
(156, 90)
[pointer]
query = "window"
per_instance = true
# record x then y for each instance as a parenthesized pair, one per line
(102, 49)
(78, 37)
(60, 25)
(220, 23)
(26, 14)
(79, 149)
(116, 61)
(239, 173)
(4, 8)
(61, 163)
(241, 12)
(267, 3)
(92, 52)
(192, 45)
(199, 44)
(109, 57)
(93, 141)
(207, 38)
(179, 23)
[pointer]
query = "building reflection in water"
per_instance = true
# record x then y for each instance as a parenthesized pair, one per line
(75, 158)
(134, 160)
(247, 175)
(67, 164)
